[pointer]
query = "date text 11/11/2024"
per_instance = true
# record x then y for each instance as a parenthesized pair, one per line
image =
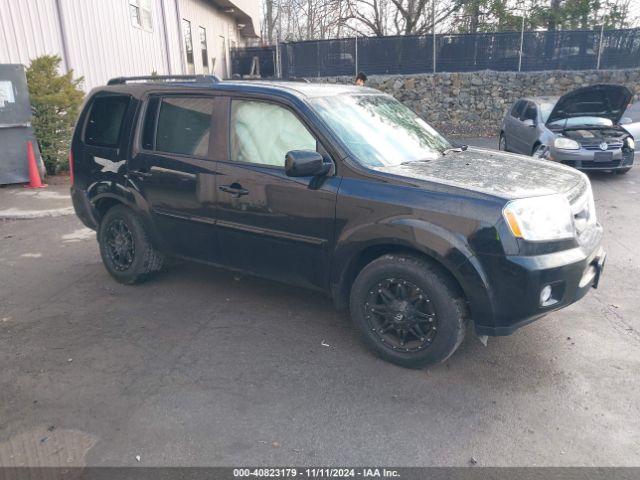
(316, 473)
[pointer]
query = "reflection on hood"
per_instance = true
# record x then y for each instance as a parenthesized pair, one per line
(495, 173)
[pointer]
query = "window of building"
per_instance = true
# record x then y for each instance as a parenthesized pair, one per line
(188, 46)
(140, 13)
(183, 125)
(204, 50)
(252, 142)
(105, 121)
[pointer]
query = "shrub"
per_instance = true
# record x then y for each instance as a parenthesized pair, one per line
(56, 100)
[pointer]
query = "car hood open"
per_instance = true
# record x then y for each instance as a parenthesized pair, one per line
(500, 174)
(605, 101)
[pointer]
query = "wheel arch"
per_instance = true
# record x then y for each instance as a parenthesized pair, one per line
(376, 251)
(535, 146)
(104, 203)
(444, 251)
(341, 289)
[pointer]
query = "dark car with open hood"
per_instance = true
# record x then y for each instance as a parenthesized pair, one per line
(337, 189)
(584, 128)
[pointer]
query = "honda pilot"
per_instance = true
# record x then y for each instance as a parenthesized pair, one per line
(339, 189)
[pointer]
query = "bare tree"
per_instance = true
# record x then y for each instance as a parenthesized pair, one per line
(292, 20)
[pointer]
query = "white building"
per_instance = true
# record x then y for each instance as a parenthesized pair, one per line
(101, 39)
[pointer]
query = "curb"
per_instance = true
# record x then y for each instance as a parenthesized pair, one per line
(17, 214)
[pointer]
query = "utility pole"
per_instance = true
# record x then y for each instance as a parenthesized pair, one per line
(433, 29)
(600, 44)
(356, 52)
(524, 13)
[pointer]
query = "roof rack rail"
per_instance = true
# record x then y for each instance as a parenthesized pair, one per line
(164, 78)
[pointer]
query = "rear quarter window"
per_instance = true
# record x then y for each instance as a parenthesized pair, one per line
(104, 125)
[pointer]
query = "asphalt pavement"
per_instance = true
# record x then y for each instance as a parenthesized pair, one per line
(204, 367)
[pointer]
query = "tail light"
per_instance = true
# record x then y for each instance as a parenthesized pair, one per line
(71, 166)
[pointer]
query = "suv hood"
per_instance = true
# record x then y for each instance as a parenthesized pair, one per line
(606, 101)
(500, 174)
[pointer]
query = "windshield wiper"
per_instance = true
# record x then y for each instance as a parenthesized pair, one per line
(458, 149)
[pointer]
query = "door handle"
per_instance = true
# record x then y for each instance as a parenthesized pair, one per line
(140, 173)
(234, 189)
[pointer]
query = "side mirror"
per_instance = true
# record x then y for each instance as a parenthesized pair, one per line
(305, 163)
(529, 123)
(626, 121)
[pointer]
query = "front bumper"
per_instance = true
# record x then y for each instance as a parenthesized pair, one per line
(584, 159)
(517, 281)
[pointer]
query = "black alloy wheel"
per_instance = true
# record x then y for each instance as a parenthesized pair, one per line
(125, 246)
(120, 246)
(401, 315)
(408, 310)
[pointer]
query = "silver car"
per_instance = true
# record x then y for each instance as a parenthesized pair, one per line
(581, 129)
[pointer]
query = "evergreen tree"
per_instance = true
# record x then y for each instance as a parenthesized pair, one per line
(56, 100)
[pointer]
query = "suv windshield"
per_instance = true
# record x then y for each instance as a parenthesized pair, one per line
(378, 130)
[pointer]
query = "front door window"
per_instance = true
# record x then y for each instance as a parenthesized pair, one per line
(263, 133)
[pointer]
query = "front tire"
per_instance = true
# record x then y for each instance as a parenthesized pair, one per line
(408, 311)
(538, 151)
(127, 252)
(622, 171)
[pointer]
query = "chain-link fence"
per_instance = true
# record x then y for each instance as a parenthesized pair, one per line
(506, 51)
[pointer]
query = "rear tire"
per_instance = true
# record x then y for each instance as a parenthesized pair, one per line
(127, 252)
(622, 171)
(502, 143)
(408, 311)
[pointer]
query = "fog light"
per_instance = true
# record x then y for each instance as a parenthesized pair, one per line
(545, 296)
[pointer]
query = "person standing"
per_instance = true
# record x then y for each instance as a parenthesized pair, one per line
(361, 78)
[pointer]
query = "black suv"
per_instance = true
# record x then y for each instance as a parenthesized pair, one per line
(341, 189)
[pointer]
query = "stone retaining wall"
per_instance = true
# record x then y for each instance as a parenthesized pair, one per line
(474, 103)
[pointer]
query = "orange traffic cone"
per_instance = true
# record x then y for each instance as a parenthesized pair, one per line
(34, 174)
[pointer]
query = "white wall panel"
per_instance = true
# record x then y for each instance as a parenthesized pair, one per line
(218, 25)
(102, 42)
(28, 29)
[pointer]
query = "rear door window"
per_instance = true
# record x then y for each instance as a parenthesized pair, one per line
(184, 125)
(517, 109)
(104, 125)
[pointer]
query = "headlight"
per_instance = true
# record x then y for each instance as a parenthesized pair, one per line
(566, 143)
(631, 142)
(538, 219)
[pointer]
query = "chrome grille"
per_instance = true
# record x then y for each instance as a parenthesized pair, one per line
(610, 146)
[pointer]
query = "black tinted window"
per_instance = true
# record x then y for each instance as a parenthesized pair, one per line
(105, 121)
(529, 112)
(516, 110)
(183, 125)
